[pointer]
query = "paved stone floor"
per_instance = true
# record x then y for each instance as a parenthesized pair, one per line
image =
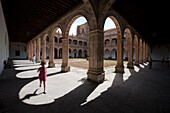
(138, 90)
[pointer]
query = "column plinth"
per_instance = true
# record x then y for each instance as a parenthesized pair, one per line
(130, 65)
(119, 69)
(51, 64)
(96, 75)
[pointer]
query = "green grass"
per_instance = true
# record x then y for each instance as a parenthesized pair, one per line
(79, 59)
(107, 61)
(110, 61)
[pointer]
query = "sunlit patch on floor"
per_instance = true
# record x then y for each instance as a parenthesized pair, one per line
(136, 69)
(33, 94)
(141, 65)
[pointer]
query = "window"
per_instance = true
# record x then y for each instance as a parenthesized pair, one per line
(17, 53)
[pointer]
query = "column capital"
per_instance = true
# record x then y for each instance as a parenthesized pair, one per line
(96, 31)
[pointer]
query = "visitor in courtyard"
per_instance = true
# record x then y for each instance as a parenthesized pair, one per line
(150, 62)
(33, 59)
(42, 75)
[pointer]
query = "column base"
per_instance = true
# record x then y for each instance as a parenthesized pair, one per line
(38, 61)
(51, 64)
(136, 63)
(96, 77)
(130, 66)
(119, 69)
(141, 62)
(65, 69)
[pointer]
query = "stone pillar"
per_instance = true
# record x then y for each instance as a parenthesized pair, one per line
(27, 51)
(44, 49)
(58, 52)
(51, 52)
(38, 50)
(119, 67)
(146, 55)
(141, 51)
(144, 51)
(31, 50)
(96, 53)
(65, 55)
(34, 53)
(136, 51)
(130, 55)
(72, 53)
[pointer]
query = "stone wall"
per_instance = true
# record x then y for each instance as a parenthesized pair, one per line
(17, 50)
(4, 43)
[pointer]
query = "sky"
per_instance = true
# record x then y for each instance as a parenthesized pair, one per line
(109, 24)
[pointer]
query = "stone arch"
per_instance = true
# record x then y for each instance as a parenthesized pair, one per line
(70, 51)
(114, 42)
(54, 29)
(80, 53)
(73, 18)
(114, 54)
(85, 43)
(70, 41)
(106, 53)
(85, 54)
(112, 14)
(74, 53)
(107, 42)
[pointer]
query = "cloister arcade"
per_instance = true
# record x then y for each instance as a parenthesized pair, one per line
(115, 48)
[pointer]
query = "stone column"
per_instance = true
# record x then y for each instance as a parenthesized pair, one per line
(141, 51)
(144, 51)
(34, 53)
(119, 67)
(136, 51)
(72, 53)
(38, 50)
(44, 49)
(130, 55)
(146, 55)
(65, 55)
(110, 53)
(58, 52)
(51, 52)
(96, 53)
(31, 50)
(27, 51)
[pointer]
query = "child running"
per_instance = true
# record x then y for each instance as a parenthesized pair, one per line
(42, 75)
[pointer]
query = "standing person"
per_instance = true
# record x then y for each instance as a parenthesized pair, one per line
(42, 75)
(150, 62)
(33, 59)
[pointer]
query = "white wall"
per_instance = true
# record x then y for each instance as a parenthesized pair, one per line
(158, 52)
(4, 43)
(15, 46)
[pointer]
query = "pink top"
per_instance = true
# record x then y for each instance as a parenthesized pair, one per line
(42, 76)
